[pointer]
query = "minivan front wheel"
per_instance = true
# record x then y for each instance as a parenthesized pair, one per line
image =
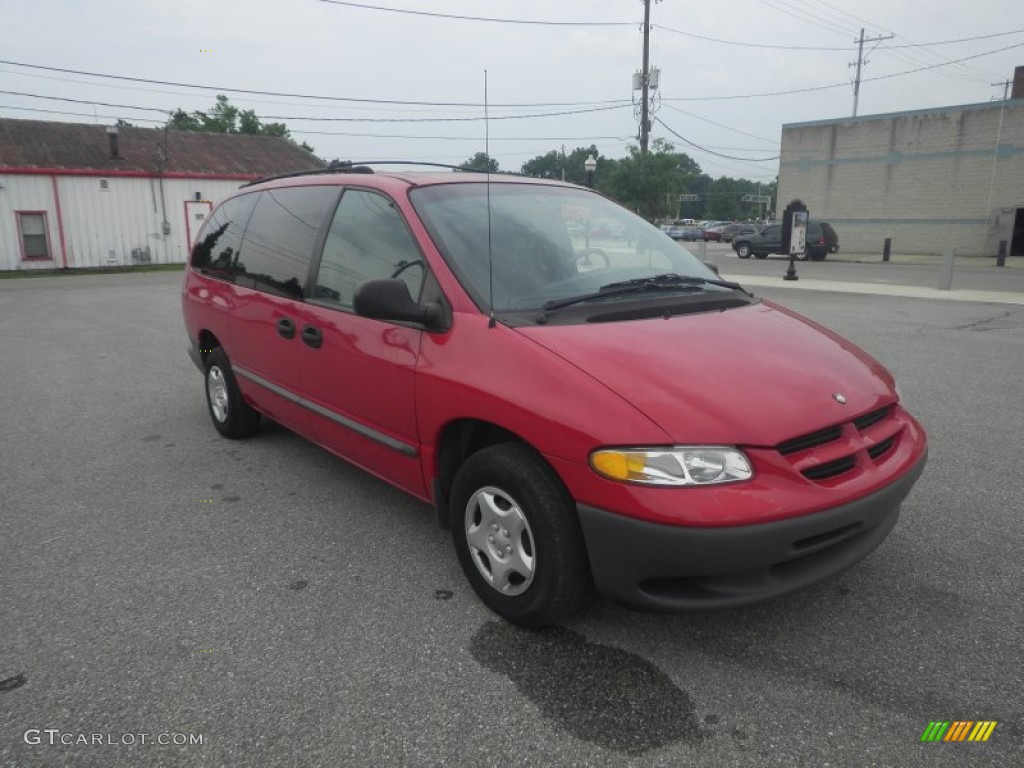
(743, 250)
(231, 416)
(517, 536)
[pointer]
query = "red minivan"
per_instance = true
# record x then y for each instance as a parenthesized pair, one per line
(585, 404)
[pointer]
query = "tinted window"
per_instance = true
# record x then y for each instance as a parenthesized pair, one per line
(219, 241)
(368, 239)
(280, 238)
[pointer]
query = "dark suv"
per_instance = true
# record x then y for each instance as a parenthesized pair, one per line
(821, 241)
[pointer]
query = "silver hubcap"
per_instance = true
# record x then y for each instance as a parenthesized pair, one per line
(217, 388)
(500, 541)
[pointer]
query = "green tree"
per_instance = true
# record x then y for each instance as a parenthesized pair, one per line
(224, 117)
(651, 183)
(559, 165)
(481, 162)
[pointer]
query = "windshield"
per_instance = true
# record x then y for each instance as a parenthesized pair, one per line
(548, 243)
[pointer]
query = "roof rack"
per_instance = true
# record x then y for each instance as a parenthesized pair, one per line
(347, 166)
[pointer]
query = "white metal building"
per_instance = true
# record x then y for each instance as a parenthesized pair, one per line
(75, 195)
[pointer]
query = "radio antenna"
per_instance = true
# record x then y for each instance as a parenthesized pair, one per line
(487, 170)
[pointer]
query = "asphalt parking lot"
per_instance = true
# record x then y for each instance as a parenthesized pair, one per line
(157, 580)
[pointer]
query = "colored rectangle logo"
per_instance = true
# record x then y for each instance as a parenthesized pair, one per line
(959, 730)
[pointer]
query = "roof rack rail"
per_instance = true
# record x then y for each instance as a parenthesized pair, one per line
(347, 166)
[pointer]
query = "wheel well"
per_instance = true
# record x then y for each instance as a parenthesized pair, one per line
(207, 343)
(458, 441)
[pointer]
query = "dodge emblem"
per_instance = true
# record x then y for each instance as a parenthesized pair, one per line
(839, 397)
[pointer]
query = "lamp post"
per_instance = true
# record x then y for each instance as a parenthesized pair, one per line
(590, 165)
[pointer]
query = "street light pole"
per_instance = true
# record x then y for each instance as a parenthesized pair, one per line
(590, 165)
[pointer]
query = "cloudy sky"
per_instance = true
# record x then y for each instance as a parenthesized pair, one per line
(410, 85)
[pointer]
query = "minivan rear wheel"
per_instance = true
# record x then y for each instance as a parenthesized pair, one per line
(743, 250)
(230, 414)
(517, 536)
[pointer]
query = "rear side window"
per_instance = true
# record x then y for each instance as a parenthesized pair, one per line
(368, 239)
(219, 242)
(281, 237)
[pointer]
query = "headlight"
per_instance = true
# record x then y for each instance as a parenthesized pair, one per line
(679, 465)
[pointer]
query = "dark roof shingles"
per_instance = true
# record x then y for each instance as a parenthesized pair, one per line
(79, 146)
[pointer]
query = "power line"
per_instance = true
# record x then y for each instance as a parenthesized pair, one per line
(81, 114)
(221, 88)
(808, 17)
(85, 101)
(907, 57)
(844, 85)
(750, 45)
(711, 152)
(532, 22)
(338, 119)
(826, 48)
(720, 125)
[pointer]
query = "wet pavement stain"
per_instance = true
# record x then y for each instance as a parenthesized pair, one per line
(603, 695)
(297, 585)
(231, 499)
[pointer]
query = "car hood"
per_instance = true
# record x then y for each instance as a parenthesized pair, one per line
(755, 375)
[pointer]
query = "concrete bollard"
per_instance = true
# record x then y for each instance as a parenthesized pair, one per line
(1001, 255)
(886, 248)
(946, 273)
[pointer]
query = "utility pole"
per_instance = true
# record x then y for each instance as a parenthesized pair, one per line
(1006, 87)
(860, 61)
(645, 77)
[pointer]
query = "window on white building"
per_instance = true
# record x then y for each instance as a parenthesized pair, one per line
(34, 242)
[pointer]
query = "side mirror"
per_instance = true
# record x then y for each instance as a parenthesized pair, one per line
(389, 299)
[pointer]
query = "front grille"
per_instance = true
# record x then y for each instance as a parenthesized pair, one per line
(832, 451)
(865, 421)
(877, 450)
(830, 468)
(813, 440)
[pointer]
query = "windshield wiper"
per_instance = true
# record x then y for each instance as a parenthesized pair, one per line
(670, 279)
(667, 281)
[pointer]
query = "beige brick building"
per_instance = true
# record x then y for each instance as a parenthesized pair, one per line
(929, 179)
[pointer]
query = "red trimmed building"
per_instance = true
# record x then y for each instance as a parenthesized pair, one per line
(76, 195)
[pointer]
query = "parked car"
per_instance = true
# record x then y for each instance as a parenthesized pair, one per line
(726, 232)
(579, 417)
(712, 231)
(821, 239)
(681, 231)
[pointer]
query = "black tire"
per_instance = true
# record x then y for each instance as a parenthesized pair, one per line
(556, 581)
(818, 255)
(743, 250)
(805, 255)
(230, 414)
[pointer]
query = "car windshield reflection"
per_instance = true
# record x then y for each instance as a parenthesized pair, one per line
(547, 243)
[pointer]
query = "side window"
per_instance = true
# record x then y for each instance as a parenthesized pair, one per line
(280, 239)
(219, 241)
(368, 239)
